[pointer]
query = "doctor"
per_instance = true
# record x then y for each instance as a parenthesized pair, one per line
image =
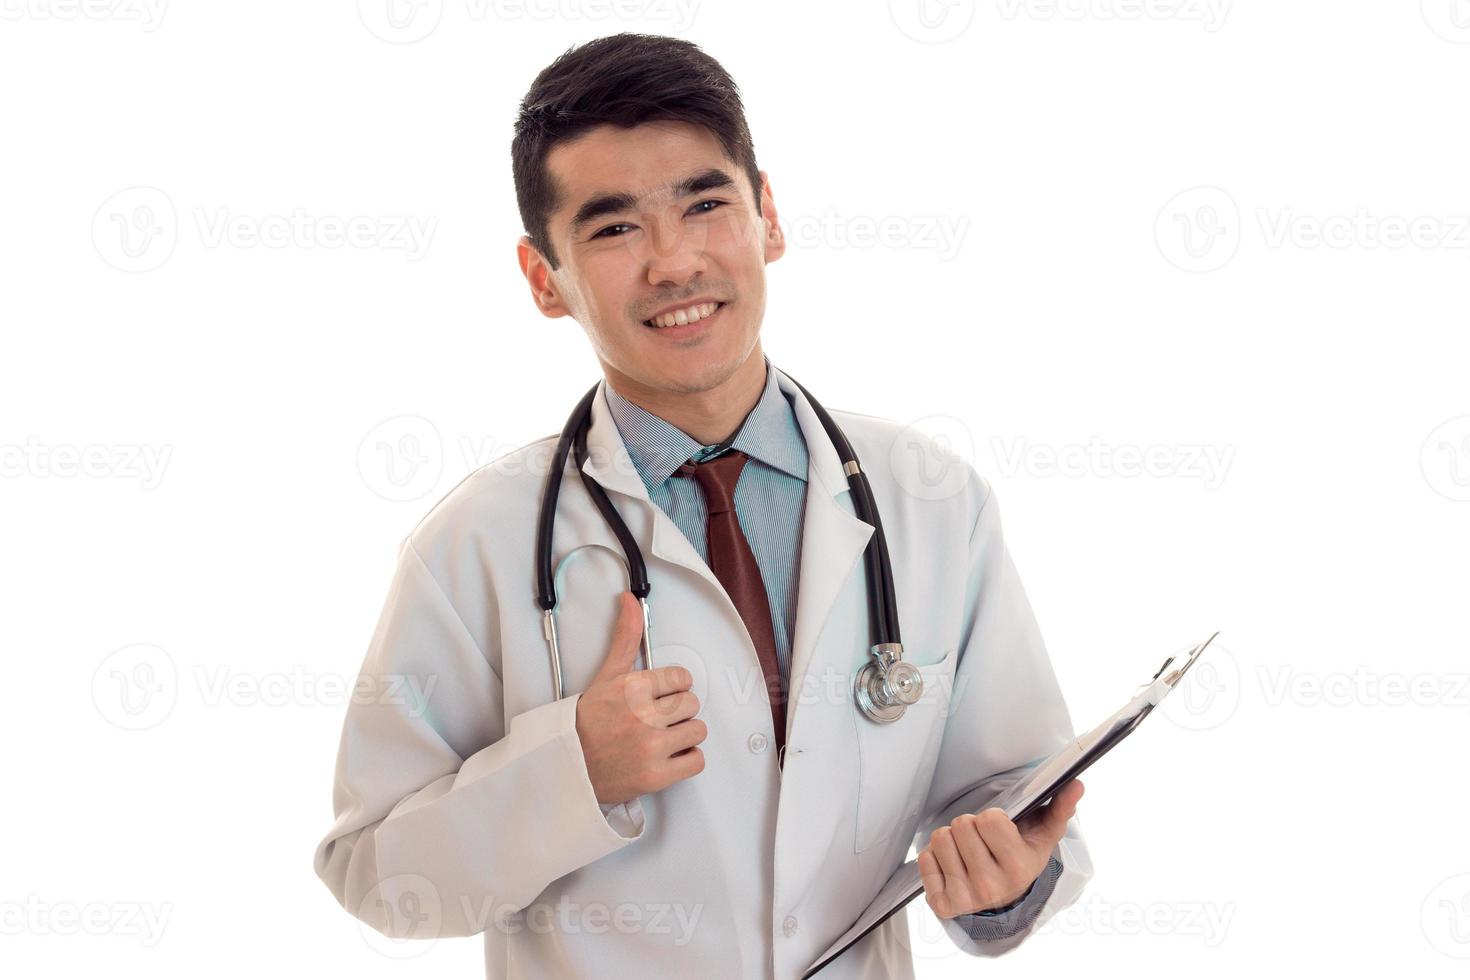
(730, 811)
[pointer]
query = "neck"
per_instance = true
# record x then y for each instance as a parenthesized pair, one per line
(707, 416)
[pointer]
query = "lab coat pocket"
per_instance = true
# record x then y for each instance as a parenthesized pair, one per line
(892, 758)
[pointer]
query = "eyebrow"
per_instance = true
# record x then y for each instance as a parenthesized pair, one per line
(620, 202)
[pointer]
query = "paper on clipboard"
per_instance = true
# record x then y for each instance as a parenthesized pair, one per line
(1028, 794)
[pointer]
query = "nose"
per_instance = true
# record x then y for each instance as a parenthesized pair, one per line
(677, 249)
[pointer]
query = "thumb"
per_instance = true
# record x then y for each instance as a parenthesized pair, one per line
(1049, 825)
(623, 646)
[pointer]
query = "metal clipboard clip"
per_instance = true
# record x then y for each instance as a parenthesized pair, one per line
(1173, 678)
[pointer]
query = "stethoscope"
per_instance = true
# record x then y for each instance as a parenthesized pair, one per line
(884, 686)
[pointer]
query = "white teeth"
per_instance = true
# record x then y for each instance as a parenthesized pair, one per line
(680, 317)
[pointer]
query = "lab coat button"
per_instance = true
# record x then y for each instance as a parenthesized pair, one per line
(788, 925)
(758, 742)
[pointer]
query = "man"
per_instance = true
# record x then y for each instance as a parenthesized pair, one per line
(728, 812)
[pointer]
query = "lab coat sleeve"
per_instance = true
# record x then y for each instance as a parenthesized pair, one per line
(449, 815)
(1006, 714)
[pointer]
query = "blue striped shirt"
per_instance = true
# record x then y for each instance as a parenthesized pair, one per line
(770, 503)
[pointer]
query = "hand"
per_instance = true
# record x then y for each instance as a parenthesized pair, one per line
(637, 727)
(988, 861)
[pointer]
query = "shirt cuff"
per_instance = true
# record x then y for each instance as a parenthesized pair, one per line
(625, 818)
(1005, 922)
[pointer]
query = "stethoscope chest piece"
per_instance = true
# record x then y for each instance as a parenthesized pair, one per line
(887, 684)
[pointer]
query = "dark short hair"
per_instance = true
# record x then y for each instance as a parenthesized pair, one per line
(620, 80)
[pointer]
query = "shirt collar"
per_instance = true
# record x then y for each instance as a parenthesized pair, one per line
(769, 434)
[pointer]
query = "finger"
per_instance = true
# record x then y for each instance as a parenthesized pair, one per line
(686, 764)
(647, 686)
(1048, 825)
(931, 874)
(671, 708)
(934, 883)
(952, 864)
(685, 735)
(622, 649)
(979, 861)
(1003, 840)
(669, 680)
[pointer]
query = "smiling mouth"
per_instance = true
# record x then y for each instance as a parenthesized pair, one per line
(682, 317)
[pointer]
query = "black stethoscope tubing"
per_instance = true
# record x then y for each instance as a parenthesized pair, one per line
(882, 605)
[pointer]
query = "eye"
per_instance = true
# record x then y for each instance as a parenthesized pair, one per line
(604, 232)
(609, 232)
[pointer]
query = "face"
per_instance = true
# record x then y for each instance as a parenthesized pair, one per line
(654, 219)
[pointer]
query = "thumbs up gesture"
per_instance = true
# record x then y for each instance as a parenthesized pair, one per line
(637, 727)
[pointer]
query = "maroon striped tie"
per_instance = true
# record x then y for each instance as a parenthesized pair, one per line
(733, 563)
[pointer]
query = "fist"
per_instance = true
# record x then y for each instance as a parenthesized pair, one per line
(988, 861)
(637, 727)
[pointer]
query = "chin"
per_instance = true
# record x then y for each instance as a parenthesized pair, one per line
(697, 371)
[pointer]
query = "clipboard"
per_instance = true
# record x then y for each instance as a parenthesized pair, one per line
(1028, 794)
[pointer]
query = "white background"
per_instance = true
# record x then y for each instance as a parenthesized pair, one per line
(1227, 238)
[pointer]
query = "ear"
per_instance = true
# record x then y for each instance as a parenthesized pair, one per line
(773, 240)
(539, 276)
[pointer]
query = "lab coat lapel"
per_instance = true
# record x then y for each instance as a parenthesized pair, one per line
(832, 542)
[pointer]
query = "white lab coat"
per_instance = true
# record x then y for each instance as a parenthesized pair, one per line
(470, 811)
